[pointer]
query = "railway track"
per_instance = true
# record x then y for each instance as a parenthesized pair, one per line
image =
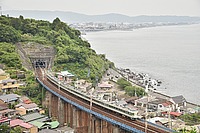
(137, 123)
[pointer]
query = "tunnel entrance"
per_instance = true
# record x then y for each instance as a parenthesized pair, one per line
(40, 64)
(36, 55)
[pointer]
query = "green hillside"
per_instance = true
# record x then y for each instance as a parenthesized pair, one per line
(72, 53)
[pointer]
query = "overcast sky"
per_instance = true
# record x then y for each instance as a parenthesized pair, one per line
(93, 7)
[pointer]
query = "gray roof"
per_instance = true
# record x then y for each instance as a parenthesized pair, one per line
(8, 80)
(48, 131)
(9, 97)
(33, 117)
(178, 99)
(158, 101)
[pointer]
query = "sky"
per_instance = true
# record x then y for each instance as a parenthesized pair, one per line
(97, 7)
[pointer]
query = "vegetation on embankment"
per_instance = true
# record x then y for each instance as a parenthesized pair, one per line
(129, 89)
(191, 119)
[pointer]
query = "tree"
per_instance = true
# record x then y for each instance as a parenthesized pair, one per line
(123, 83)
(16, 130)
(8, 34)
(4, 128)
(133, 90)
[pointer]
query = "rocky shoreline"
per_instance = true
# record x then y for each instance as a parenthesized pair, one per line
(145, 81)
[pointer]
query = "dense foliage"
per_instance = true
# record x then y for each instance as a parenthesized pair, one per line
(5, 128)
(72, 53)
(9, 56)
(191, 119)
(123, 83)
(129, 89)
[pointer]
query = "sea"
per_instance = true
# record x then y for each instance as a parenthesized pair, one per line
(167, 53)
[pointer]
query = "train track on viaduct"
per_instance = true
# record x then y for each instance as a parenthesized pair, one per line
(136, 125)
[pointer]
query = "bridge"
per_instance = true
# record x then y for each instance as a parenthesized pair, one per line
(87, 115)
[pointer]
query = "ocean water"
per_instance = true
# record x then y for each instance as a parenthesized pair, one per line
(169, 53)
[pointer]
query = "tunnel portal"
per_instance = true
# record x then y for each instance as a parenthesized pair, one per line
(36, 55)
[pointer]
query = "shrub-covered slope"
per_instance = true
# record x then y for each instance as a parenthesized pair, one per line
(72, 53)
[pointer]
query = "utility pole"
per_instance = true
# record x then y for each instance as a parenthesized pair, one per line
(146, 113)
(169, 118)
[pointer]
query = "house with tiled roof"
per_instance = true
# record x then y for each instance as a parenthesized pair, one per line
(34, 117)
(8, 85)
(179, 102)
(3, 75)
(4, 120)
(26, 127)
(5, 111)
(105, 85)
(9, 98)
(24, 108)
(160, 105)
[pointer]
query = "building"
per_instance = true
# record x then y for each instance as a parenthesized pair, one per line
(3, 75)
(160, 105)
(83, 85)
(105, 86)
(6, 112)
(24, 108)
(4, 120)
(8, 85)
(34, 117)
(65, 76)
(179, 103)
(10, 98)
(26, 127)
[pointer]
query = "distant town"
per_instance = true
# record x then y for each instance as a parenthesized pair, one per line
(95, 26)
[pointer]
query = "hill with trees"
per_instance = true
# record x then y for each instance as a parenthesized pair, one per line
(72, 53)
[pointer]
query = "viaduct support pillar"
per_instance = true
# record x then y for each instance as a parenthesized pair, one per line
(115, 129)
(61, 111)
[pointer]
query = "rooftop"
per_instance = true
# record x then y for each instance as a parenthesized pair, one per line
(15, 122)
(32, 117)
(27, 106)
(9, 97)
(178, 99)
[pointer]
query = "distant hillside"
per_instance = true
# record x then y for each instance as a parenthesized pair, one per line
(71, 17)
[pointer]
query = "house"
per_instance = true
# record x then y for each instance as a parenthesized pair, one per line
(45, 125)
(26, 127)
(8, 85)
(34, 117)
(4, 120)
(6, 112)
(105, 85)
(24, 99)
(24, 108)
(160, 105)
(142, 102)
(65, 76)
(3, 75)
(131, 100)
(160, 121)
(10, 98)
(179, 103)
(83, 85)
(172, 114)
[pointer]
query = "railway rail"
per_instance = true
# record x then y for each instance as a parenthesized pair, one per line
(105, 111)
